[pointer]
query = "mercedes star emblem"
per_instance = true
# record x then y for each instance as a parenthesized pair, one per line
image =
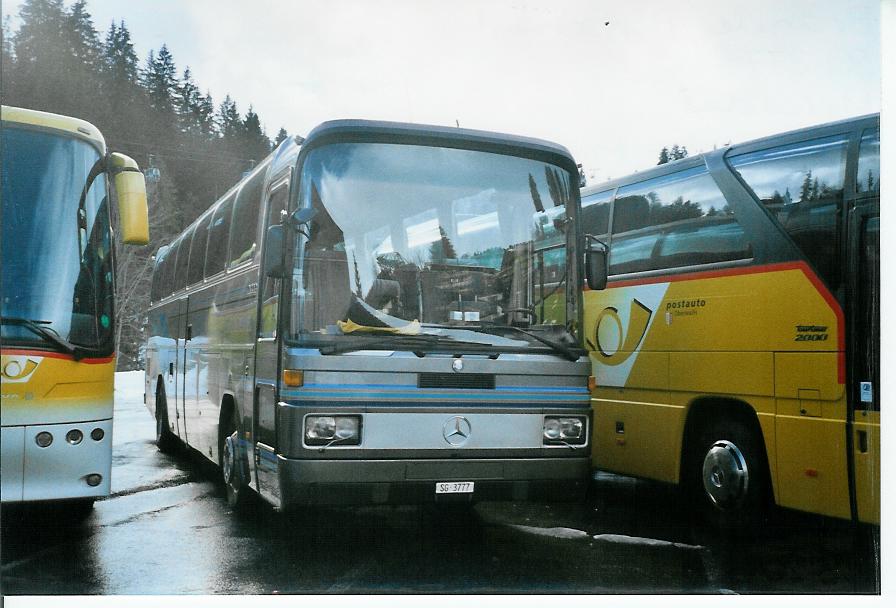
(457, 430)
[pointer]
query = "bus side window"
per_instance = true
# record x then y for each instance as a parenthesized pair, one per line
(672, 221)
(270, 295)
(155, 292)
(868, 174)
(218, 233)
(802, 185)
(183, 262)
(167, 280)
(245, 217)
(596, 213)
(197, 251)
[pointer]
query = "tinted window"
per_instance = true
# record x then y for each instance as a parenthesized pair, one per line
(245, 217)
(218, 233)
(197, 251)
(802, 185)
(156, 290)
(675, 220)
(183, 260)
(596, 213)
(167, 287)
(868, 175)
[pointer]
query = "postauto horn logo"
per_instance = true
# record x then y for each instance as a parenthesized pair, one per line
(16, 368)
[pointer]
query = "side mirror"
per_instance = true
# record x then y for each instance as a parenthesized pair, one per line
(303, 216)
(130, 187)
(596, 270)
(273, 253)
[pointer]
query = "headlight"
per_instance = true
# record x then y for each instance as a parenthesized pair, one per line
(560, 430)
(338, 430)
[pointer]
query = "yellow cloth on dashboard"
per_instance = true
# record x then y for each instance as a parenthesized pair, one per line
(411, 329)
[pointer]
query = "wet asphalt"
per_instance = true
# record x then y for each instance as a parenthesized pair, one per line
(167, 529)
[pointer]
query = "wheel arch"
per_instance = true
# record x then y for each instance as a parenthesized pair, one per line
(703, 411)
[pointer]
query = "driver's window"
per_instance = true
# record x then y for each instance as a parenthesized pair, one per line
(270, 291)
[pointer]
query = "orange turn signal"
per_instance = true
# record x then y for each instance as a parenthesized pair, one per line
(293, 377)
(592, 383)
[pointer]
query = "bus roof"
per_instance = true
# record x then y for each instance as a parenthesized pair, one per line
(58, 122)
(697, 159)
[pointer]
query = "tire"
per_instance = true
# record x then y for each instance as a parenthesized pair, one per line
(77, 509)
(234, 469)
(728, 476)
(166, 441)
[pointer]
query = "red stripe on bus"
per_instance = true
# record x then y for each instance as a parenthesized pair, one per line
(820, 287)
(50, 355)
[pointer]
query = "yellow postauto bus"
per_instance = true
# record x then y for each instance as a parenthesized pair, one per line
(732, 315)
(57, 341)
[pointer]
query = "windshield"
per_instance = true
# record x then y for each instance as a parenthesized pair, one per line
(426, 240)
(57, 277)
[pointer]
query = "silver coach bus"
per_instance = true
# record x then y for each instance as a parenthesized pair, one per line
(380, 313)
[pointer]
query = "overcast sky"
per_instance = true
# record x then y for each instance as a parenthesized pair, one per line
(614, 81)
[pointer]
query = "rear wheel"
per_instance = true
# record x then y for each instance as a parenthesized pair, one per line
(166, 441)
(728, 476)
(233, 466)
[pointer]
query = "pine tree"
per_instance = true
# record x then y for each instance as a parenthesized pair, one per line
(664, 156)
(120, 59)
(159, 78)
(536, 197)
(255, 143)
(282, 135)
(230, 125)
(806, 187)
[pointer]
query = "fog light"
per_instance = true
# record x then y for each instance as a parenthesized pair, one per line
(74, 436)
(94, 479)
(97, 434)
(341, 430)
(44, 439)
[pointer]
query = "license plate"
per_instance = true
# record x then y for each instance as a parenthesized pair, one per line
(454, 487)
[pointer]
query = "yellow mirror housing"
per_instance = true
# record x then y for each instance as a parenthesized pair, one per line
(130, 187)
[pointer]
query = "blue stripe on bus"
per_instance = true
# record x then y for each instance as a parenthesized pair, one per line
(518, 389)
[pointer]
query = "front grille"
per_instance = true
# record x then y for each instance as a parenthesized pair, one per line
(431, 380)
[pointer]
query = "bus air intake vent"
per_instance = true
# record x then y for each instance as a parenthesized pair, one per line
(430, 380)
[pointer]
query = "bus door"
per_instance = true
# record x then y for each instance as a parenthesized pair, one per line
(180, 327)
(190, 368)
(863, 352)
(267, 364)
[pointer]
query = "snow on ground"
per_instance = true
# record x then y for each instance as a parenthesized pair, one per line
(622, 539)
(551, 532)
(129, 385)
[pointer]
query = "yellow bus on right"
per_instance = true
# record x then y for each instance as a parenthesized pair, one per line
(732, 313)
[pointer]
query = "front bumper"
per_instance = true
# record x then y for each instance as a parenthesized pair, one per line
(59, 471)
(337, 482)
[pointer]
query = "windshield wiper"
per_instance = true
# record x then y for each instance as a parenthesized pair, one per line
(562, 349)
(417, 344)
(37, 327)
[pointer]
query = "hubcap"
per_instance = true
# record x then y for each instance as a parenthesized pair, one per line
(725, 475)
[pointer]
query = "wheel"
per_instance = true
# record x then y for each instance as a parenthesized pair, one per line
(77, 509)
(729, 476)
(166, 441)
(234, 468)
